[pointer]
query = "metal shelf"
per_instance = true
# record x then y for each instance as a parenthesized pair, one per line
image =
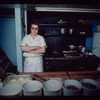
(67, 35)
(64, 25)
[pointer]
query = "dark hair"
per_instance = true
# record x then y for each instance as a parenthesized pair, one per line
(35, 23)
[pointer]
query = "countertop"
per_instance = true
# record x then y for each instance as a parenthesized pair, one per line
(77, 75)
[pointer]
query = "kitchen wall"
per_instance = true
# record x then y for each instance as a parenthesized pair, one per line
(90, 39)
(8, 38)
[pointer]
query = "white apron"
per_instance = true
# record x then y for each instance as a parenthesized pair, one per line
(33, 64)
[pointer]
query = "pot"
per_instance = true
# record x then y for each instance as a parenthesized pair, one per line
(63, 30)
(82, 49)
(72, 47)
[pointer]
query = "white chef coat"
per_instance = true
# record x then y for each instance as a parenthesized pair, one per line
(33, 62)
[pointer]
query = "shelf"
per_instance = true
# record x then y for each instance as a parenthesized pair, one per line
(64, 25)
(52, 25)
(63, 35)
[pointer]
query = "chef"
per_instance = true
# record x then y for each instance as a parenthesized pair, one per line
(33, 47)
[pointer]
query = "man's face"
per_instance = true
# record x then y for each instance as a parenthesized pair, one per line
(34, 29)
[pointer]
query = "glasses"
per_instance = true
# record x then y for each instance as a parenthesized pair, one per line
(34, 28)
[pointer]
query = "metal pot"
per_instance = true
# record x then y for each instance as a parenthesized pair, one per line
(63, 30)
(82, 49)
(72, 47)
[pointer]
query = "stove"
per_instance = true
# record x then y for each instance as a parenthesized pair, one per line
(70, 61)
(64, 55)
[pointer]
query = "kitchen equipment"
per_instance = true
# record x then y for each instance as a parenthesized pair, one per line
(32, 88)
(82, 33)
(39, 77)
(52, 88)
(71, 47)
(82, 49)
(61, 22)
(70, 31)
(72, 83)
(72, 54)
(13, 89)
(68, 75)
(90, 87)
(63, 30)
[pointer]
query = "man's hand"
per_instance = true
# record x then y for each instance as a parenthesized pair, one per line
(35, 47)
(29, 48)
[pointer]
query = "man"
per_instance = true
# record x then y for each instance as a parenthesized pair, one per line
(34, 47)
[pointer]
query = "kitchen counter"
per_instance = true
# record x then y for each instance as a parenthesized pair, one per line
(77, 75)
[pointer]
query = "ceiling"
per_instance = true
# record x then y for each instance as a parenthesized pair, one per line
(93, 8)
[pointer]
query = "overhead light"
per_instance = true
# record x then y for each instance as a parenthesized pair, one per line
(52, 9)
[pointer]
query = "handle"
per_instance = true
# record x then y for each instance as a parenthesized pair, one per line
(40, 77)
(68, 75)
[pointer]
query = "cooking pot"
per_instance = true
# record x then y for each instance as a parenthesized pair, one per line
(63, 30)
(72, 47)
(82, 49)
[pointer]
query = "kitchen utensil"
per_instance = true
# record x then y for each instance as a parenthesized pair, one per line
(68, 75)
(32, 88)
(72, 47)
(63, 30)
(82, 49)
(82, 33)
(62, 22)
(70, 31)
(39, 77)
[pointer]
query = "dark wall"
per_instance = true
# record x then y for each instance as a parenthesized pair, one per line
(60, 42)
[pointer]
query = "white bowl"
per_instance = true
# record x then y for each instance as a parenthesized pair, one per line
(1, 84)
(88, 91)
(32, 88)
(69, 92)
(52, 88)
(11, 90)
